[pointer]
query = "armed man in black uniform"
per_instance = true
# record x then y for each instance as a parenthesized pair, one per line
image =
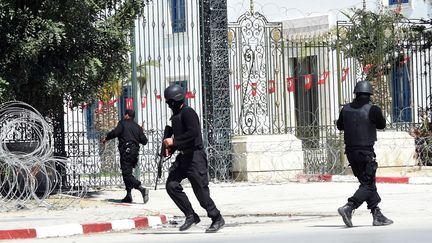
(359, 120)
(190, 163)
(129, 135)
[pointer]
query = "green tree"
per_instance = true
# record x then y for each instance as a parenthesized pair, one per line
(373, 39)
(52, 49)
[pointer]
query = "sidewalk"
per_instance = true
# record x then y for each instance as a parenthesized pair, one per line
(352, 178)
(93, 214)
(100, 213)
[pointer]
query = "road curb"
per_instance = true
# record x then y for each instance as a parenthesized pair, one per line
(351, 178)
(87, 228)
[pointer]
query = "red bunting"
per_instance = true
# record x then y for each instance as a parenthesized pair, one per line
(345, 73)
(190, 95)
(129, 103)
(237, 86)
(405, 60)
(254, 89)
(100, 106)
(112, 101)
(272, 87)
(398, 9)
(367, 68)
(324, 78)
(144, 102)
(158, 96)
(290, 84)
(308, 81)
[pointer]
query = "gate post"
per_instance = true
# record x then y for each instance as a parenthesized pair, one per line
(59, 140)
(215, 83)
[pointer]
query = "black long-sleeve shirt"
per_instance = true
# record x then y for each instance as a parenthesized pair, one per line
(187, 130)
(375, 114)
(128, 131)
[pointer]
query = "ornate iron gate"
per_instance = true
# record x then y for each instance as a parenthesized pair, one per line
(256, 75)
(267, 71)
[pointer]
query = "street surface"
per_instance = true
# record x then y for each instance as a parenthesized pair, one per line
(290, 212)
(309, 229)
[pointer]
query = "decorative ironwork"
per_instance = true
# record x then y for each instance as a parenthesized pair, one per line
(216, 87)
(256, 56)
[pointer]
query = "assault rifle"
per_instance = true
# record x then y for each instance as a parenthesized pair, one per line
(168, 132)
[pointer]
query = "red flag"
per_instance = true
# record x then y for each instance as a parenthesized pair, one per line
(324, 77)
(290, 84)
(398, 9)
(112, 101)
(272, 87)
(367, 68)
(129, 103)
(254, 89)
(405, 60)
(100, 106)
(189, 95)
(345, 74)
(143, 102)
(237, 86)
(308, 81)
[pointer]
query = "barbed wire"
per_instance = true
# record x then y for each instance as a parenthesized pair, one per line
(30, 176)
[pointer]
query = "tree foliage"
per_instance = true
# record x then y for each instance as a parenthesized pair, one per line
(51, 49)
(372, 39)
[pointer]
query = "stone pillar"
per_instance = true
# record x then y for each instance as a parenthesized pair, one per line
(215, 82)
(262, 158)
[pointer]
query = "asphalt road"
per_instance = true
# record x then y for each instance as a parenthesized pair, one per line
(407, 228)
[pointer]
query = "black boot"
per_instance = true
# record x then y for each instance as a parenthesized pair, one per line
(379, 219)
(216, 225)
(346, 212)
(128, 197)
(144, 193)
(189, 221)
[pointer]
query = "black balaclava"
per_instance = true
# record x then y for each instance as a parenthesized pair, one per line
(363, 96)
(175, 106)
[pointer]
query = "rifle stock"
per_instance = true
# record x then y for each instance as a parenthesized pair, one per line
(162, 153)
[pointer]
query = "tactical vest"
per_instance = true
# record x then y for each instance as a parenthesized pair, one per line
(358, 129)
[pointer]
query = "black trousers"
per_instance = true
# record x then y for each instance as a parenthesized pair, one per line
(128, 161)
(192, 166)
(364, 166)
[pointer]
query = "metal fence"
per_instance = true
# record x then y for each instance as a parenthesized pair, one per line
(174, 42)
(295, 84)
(278, 84)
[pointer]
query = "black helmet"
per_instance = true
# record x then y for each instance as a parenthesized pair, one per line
(363, 87)
(174, 92)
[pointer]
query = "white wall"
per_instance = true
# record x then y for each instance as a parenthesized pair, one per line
(178, 54)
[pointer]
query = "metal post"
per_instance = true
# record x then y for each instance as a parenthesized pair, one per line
(339, 85)
(216, 110)
(134, 88)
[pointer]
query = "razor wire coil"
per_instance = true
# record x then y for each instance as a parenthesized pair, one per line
(30, 176)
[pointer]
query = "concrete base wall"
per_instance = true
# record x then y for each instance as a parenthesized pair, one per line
(260, 158)
(395, 149)
(395, 154)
